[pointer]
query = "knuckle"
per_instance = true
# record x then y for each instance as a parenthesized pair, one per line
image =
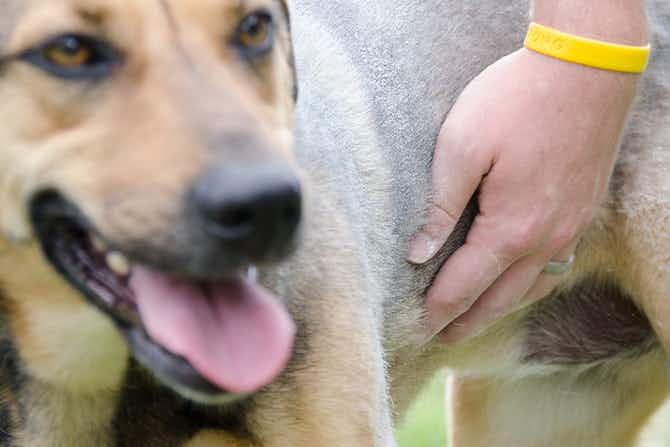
(450, 307)
(524, 238)
(465, 143)
(456, 307)
(442, 217)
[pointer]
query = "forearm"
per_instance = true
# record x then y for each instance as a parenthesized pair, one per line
(618, 21)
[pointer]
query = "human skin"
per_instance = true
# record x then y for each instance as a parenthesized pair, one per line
(538, 138)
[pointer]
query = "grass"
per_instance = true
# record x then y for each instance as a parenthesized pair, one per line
(424, 425)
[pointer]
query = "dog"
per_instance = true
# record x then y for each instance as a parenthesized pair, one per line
(206, 207)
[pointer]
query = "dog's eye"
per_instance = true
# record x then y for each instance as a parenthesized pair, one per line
(255, 34)
(73, 56)
(68, 52)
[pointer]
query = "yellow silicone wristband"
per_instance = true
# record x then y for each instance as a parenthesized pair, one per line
(580, 50)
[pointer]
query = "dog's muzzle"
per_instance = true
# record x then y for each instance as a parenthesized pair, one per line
(192, 311)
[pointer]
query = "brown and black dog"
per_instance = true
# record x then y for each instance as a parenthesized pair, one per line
(190, 258)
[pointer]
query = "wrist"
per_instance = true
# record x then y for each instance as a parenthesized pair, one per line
(561, 72)
(586, 89)
(616, 21)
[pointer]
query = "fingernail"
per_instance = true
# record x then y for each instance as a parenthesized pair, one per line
(422, 248)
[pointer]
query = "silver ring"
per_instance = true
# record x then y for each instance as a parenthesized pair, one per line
(559, 267)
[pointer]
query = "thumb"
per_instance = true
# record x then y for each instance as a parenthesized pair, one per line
(457, 172)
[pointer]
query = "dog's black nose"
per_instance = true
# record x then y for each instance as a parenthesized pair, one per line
(252, 210)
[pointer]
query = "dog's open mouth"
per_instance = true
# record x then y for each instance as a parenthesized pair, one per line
(209, 339)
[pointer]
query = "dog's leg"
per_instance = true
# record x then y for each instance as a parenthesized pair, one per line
(557, 409)
(642, 187)
(647, 241)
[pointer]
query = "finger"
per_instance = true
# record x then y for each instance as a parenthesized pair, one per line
(521, 285)
(547, 283)
(457, 173)
(503, 297)
(463, 278)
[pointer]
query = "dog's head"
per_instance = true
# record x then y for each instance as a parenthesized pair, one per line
(146, 150)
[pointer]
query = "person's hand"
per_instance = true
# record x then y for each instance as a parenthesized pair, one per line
(539, 138)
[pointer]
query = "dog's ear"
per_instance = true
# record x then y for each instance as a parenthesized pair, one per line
(290, 54)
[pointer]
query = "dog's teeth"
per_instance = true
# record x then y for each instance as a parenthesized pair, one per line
(118, 263)
(252, 273)
(98, 244)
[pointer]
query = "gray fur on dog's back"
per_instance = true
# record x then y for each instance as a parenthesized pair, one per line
(376, 81)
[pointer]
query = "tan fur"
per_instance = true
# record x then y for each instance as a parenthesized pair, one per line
(53, 328)
(215, 439)
(69, 136)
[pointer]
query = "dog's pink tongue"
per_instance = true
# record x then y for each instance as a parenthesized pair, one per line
(234, 333)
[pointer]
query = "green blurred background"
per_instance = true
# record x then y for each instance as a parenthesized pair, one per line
(425, 425)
